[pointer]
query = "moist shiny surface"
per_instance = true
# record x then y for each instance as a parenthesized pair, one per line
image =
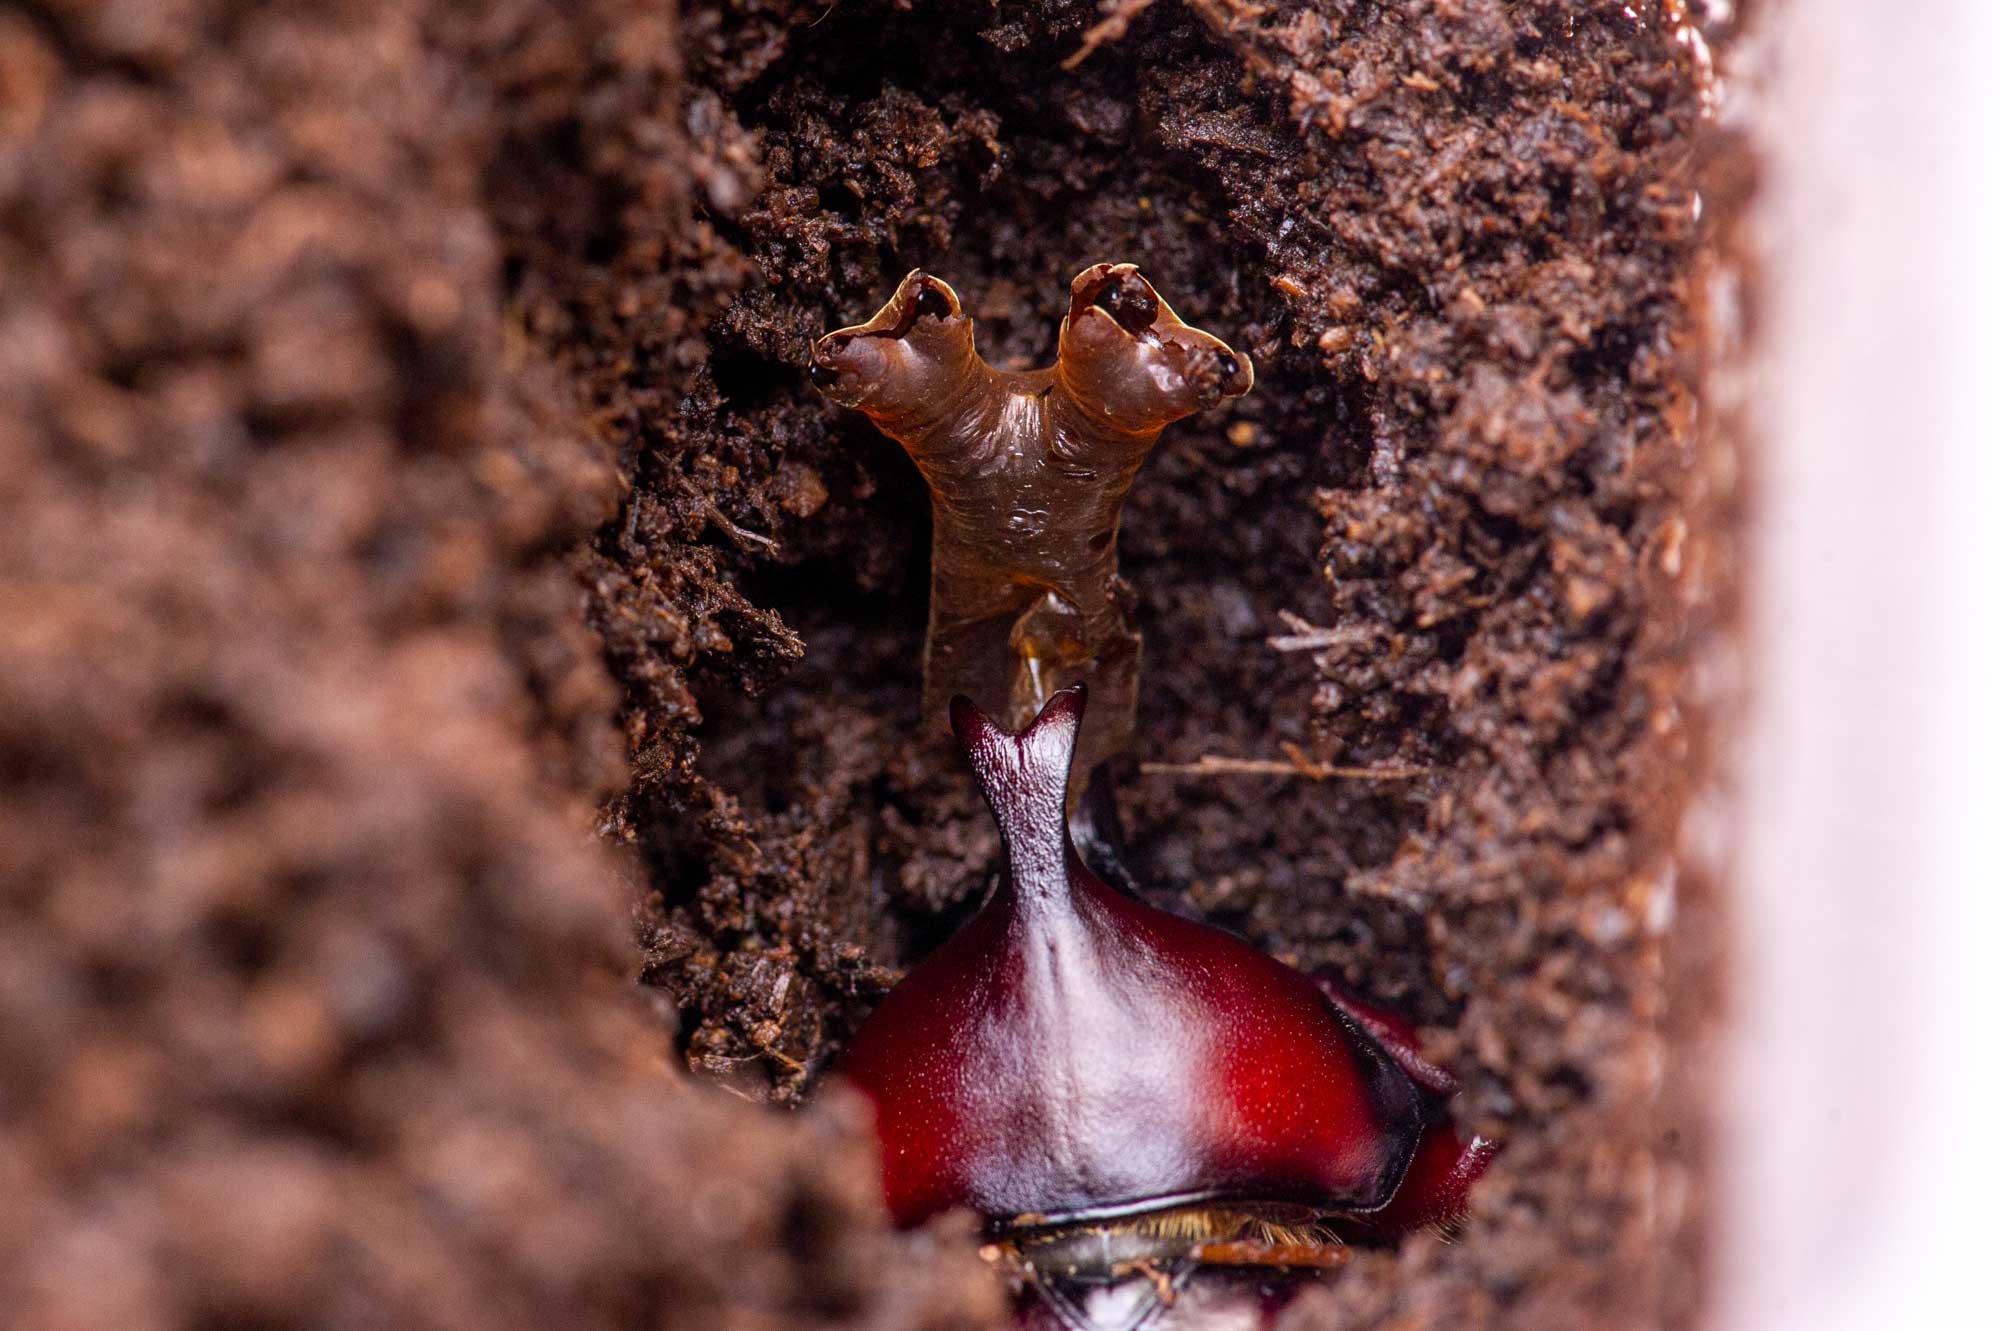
(1073, 1051)
(1028, 473)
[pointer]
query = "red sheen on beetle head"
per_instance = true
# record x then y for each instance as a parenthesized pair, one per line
(1072, 1053)
(1441, 1174)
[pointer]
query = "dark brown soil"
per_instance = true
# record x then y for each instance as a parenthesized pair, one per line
(358, 361)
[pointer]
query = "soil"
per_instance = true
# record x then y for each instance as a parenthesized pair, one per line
(433, 597)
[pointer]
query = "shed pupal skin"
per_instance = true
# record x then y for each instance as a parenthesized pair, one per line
(1028, 472)
(1094, 1076)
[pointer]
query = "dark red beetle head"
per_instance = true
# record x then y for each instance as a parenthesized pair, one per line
(1072, 1055)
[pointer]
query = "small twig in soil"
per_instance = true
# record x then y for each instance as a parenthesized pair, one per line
(1295, 763)
(1306, 636)
(1118, 17)
(741, 534)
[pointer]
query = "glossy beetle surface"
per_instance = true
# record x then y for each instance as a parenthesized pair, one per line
(1092, 1075)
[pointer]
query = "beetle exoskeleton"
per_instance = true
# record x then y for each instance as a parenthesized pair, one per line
(1112, 1086)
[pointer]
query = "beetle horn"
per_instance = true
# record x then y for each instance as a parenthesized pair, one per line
(1025, 777)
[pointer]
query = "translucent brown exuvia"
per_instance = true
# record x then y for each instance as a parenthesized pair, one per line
(1028, 472)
